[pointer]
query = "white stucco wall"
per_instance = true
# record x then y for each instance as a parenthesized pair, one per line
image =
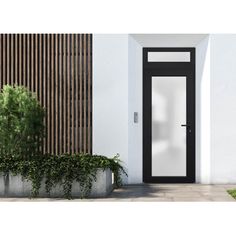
(135, 149)
(200, 42)
(117, 94)
(110, 96)
(223, 108)
(203, 154)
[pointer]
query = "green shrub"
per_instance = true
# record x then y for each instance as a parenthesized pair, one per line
(232, 192)
(21, 134)
(21, 122)
(62, 170)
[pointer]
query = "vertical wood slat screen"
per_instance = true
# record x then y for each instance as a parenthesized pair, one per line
(58, 68)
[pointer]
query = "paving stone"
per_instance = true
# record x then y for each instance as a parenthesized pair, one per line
(191, 199)
(153, 193)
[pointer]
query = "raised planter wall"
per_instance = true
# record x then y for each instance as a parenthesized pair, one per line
(14, 186)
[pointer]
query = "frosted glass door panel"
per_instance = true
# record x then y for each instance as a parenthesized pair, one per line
(168, 137)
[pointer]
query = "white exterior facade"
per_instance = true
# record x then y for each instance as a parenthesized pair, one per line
(117, 94)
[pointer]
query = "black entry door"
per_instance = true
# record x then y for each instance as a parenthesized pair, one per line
(169, 115)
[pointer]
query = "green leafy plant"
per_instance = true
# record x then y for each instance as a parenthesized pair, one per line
(62, 170)
(21, 122)
(232, 192)
(21, 134)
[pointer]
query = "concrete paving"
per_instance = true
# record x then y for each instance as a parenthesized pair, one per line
(153, 193)
(173, 192)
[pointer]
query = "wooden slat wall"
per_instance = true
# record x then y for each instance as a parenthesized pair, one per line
(58, 68)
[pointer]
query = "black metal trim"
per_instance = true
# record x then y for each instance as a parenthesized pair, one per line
(168, 69)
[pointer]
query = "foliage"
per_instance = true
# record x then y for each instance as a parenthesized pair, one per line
(62, 170)
(21, 122)
(232, 192)
(21, 134)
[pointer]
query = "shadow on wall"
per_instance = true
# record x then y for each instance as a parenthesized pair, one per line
(202, 104)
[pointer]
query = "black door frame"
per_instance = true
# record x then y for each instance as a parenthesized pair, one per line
(168, 69)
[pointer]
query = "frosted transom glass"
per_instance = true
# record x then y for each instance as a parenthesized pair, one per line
(168, 137)
(168, 56)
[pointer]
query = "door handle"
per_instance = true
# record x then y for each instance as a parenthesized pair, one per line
(188, 127)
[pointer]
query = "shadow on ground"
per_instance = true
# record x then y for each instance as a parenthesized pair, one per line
(137, 191)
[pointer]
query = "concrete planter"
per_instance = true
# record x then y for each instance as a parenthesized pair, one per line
(14, 186)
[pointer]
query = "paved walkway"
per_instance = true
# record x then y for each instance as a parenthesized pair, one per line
(173, 192)
(154, 193)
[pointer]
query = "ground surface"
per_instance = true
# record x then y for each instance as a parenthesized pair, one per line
(156, 193)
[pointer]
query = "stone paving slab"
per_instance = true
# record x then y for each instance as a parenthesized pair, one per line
(153, 193)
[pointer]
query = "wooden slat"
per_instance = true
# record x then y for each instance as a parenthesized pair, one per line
(28, 61)
(65, 92)
(58, 69)
(40, 79)
(16, 60)
(40, 69)
(44, 88)
(4, 60)
(76, 94)
(48, 94)
(68, 93)
(12, 59)
(20, 59)
(73, 97)
(36, 83)
(81, 92)
(52, 97)
(32, 64)
(61, 93)
(8, 59)
(56, 95)
(85, 94)
(24, 60)
(89, 94)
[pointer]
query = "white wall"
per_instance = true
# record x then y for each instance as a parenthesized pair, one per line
(135, 105)
(203, 154)
(168, 40)
(110, 95)
(117, 93)
(136, 42)
(223, 108)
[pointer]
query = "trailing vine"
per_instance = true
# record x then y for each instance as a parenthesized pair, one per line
(21, 133)
(62, 170)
